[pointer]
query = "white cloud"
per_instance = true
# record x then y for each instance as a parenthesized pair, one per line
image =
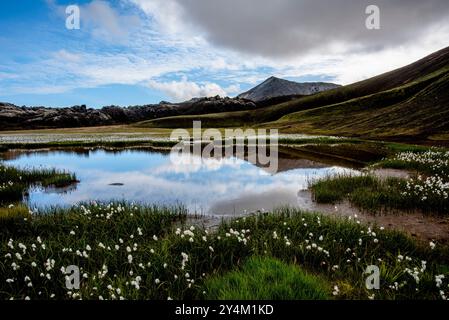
(106, 23)
(166, 13)
(291, 28)
(70, 57)
(102, 21)
(185, 90)
(6, 76)
(168, 44)
(344, 61)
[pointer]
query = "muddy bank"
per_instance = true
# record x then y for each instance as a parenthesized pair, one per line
(421, 227)
(417, 225)
(384, 173)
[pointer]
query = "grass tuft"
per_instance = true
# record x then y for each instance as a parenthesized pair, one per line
(12, 212)
(374, 195)
(14, 182)
(264, 278)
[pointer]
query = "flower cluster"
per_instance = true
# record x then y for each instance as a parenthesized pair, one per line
(425, 188)
(86, 138)
(437, 162)
(6, 185)
(124, 251)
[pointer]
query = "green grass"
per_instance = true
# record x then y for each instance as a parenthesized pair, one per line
(86, 143)
(365, 192)
(307, 233)
(15, 182)
(372, 194)
(405, 147)
(318, 140)
(14, 212)
(214, 120)
(336, 189)
(179, 263)
(434, 161)
(263, 278)
(75, 228)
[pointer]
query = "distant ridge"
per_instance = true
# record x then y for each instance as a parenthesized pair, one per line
(13, 117)
(275, 87)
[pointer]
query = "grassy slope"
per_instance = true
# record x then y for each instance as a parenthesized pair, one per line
(415, 110)
(378, 104)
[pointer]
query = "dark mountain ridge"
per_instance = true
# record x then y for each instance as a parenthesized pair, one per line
(275, 87)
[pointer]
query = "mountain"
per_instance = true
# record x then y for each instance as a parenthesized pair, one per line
(274, 87)
(409, 103)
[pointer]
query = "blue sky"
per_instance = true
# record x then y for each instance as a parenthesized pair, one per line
(34, 32)
(130, 52)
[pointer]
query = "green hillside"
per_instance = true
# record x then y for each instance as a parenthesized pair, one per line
(416, 110)
(409, 102)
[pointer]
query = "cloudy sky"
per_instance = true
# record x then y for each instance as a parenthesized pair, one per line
(130, 52)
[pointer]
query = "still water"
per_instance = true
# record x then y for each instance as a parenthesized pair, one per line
(212, 186)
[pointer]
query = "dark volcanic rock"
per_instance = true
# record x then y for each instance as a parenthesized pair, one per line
(13, 117)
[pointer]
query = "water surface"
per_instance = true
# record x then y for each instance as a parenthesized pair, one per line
(212, 186)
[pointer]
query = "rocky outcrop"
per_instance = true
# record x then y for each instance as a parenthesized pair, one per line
(274, 88)
(13, 117)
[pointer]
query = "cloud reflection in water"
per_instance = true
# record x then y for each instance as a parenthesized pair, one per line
(210, 186)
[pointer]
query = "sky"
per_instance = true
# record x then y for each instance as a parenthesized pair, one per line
(134, 52)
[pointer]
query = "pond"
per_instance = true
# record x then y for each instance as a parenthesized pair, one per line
(210, 186)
